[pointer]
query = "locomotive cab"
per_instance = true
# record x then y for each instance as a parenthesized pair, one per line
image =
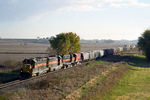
(27, 68)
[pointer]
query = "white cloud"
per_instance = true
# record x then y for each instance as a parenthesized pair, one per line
(87, 5)
(79, 8)
(127, 3)
(96, 5)
(83, 1)
(112, 1)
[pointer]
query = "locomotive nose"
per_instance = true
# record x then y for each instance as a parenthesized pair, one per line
(26, 71)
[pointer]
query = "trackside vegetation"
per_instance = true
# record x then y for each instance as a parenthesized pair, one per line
(144, 43)
(134, 85)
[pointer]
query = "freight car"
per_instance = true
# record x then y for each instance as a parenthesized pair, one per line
(108, 52)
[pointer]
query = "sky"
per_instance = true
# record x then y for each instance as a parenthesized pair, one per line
(90, 19)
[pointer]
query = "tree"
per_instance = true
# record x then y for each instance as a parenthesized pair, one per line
(144, 43)
(65, 43)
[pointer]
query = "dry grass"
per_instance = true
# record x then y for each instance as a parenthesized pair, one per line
(103, 83)
(58, 86)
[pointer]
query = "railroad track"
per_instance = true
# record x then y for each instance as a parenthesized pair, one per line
(23, 83)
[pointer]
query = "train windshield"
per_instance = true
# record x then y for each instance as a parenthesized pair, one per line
(28, 63)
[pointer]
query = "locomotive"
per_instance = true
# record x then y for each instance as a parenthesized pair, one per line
(39, 65)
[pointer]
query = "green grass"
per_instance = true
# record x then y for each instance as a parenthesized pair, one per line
(134, 85)
(139, 61)
(96, 63)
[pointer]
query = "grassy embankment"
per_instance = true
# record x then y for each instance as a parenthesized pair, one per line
(134, 85)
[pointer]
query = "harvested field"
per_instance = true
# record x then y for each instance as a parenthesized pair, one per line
(13, 48)
(22, 47)
(13, 53)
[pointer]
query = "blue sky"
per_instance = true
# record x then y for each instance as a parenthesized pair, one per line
(90, 19)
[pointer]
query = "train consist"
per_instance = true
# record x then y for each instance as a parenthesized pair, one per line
(40, 65)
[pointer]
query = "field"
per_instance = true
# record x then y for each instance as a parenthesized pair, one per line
(22, 48)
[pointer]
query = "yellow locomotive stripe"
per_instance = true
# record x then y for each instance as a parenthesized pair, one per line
(44, 64)
(53, 62)
(66, 60)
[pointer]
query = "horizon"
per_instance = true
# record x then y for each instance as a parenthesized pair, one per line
(90, 19)
(80, 39)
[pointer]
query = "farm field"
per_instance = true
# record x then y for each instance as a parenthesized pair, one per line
(22, 48)
(32, 48)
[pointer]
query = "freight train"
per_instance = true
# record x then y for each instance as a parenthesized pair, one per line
(39, 65)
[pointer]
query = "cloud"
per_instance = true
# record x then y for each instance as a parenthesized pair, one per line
(127, 3)
(78, 8)
(36, 9)
(89, 5)
(82, 1)
(96, 5)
